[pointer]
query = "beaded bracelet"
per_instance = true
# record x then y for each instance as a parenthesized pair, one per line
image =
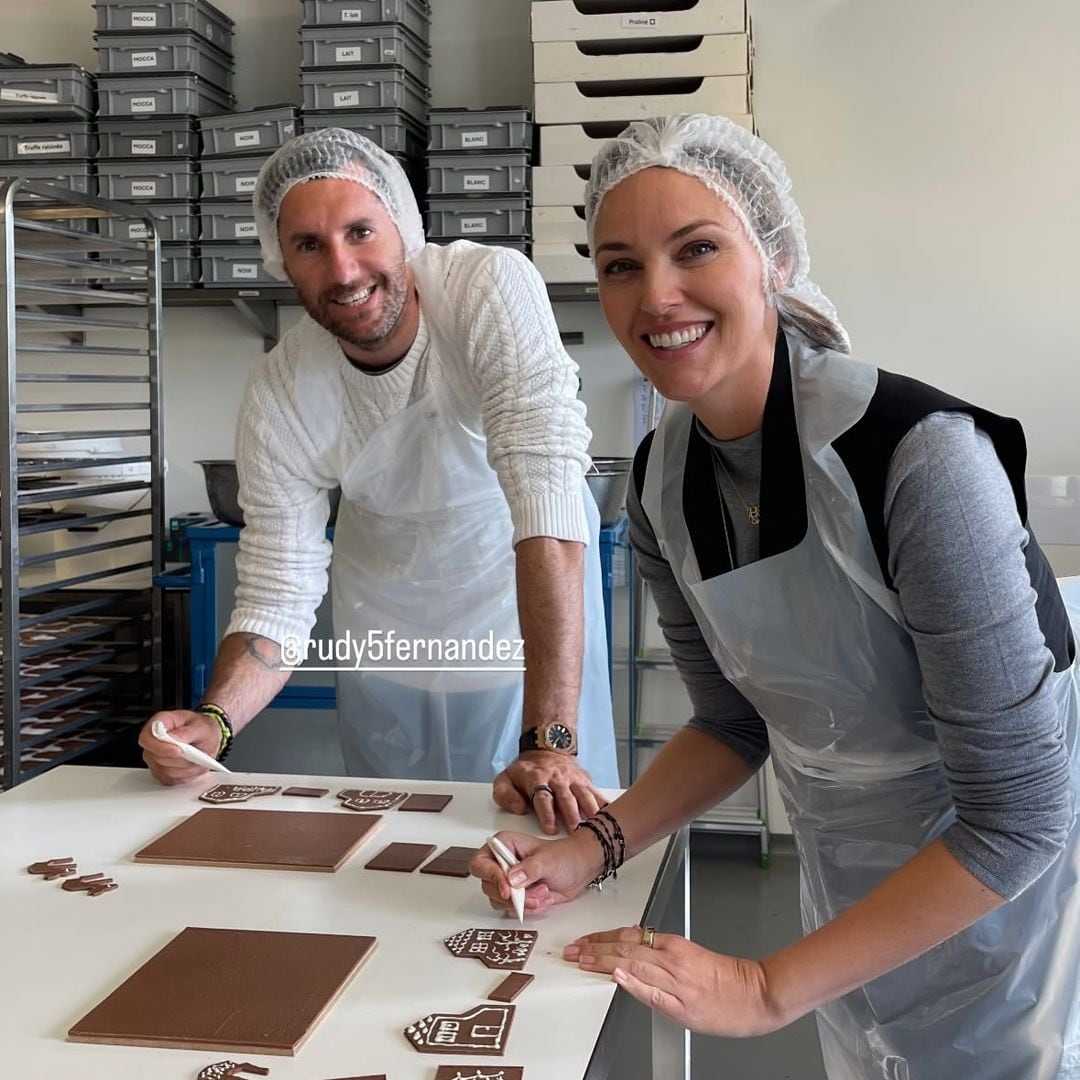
(224, 724)
(619, 838)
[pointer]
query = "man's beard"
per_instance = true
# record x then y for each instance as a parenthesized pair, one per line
(328, 314)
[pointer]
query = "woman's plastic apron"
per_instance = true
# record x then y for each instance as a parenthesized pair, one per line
(814, 640)
(423, 551)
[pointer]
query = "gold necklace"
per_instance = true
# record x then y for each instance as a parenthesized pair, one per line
(753, 510)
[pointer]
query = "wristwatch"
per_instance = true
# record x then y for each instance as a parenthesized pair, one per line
(556, 737)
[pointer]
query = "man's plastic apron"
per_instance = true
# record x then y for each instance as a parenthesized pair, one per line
(814, 640)
(423, 550)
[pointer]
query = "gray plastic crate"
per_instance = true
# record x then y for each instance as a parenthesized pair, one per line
(234, 265)
(54, 141)
(479, 174)
(254, 131)
(474, 219)
(230, 178)
(196, 15)
(494, 128)
(76, 175)
(415, 15)
(225, 221)
(179, 265)
(335, 46)
(518, 243)
(182, 51)
(396, 132)
(175, 222)
(365, 88)
(156, 138)
(46, 91)
(166, 181)
(160, 95)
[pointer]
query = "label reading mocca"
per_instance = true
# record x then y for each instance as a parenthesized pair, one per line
(145, 188)
(144, 104)
(138, 231)
(144, 59)
(144, 146)
(144, 18)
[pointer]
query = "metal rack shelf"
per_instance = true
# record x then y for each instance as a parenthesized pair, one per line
(81, 522)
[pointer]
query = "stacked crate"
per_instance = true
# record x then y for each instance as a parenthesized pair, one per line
(46, 126)
(596, 71)
(160, 66)
(478, 176)
(234, 148)
(365, 66)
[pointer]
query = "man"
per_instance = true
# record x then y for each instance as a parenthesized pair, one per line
(431, 385)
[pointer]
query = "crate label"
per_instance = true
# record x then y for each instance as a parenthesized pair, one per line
(144, 104)
(144, 59)
(245, 229)
(246, 138)
(346, 97)
(474, 138)
(143, 187)
(390, 50)
(139, 231)
(144, 18)
(55, 146)
(34, 97)
(144, 146)
(245, 270)
(245, 184)
(640, 22)
(477, 183)
(474, 225)
(352, 15)
(348, 54)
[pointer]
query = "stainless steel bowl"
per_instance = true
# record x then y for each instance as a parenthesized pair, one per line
(223, 486)
(608, 486)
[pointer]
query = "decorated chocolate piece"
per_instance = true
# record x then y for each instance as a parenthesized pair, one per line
(453, 862)
(94, 884)
(511, 986)
(230, 793)
(427, 804)
(479, 1072)
(483, 1030)
(307, 792)
(506, 950)
(51, 869)
(224, 1069)
(369, 799)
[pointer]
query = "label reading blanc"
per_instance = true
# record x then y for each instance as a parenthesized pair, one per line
(34, 97)
(143, 187)
(352, 15)
(144, 59)
(138, 231)
(144, 104)
(144, 146)
(349, 54)
(477, 183)
(346, 97)
(144, 18)
(474, 138)
(640, 22)
(474, 225)
(245, 229)
(57, 146)
(245, 270)
(246, 138)
(245, 184)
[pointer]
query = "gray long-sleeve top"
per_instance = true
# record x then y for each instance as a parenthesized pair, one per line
(956, 555)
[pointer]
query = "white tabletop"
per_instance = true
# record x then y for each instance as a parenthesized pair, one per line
(62, 952)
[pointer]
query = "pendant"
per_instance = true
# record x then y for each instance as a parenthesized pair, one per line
(753, 514)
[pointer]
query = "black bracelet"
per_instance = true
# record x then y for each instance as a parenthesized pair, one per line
(617, 829)
(609, 868)
(208, 708)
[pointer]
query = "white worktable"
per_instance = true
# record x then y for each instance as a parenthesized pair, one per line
(61, 952)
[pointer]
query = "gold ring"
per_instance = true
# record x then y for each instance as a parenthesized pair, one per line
(648, 936)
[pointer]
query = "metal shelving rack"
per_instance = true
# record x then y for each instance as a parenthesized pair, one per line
(80, 341)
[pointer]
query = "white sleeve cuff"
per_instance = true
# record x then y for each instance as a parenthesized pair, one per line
(273, 627)
(559, 516)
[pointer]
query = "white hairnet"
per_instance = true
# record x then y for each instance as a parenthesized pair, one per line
(752, 180)
(333, 153)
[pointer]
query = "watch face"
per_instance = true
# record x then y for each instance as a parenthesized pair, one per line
(559, 737)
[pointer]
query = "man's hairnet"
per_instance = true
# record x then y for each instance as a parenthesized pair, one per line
(333, 153)
(751, 179)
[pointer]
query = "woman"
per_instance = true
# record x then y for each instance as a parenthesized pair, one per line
(842, 571)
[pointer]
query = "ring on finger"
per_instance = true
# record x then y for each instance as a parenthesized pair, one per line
(648, 936)
(540, 788)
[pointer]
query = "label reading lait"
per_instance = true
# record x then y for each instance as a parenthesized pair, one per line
(245, 270)
(246, 138)
(245, 184)
(144, 104)
(138, 231)
(349, 54)
(352, 15)
(144, 18)
(473, 225)
(58, 146)
(146, 188)
(144, 59)
(640, 22)
(245, 229)
(474, 138)
(346, 97)
(144, 146)
(477, 183)
(33, 97)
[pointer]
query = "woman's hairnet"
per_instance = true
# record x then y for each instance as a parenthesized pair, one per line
(333, 153)
(753, 182)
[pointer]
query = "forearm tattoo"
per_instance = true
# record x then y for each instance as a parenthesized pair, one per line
(252, 643)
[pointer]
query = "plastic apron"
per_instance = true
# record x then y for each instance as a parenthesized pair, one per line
(814, 640)
(423, 550)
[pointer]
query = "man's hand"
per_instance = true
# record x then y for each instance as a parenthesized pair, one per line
(556, 786)
(165, 761)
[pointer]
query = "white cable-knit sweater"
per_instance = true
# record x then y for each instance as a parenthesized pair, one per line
(537, 438)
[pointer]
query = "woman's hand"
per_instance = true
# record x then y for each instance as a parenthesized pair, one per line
(552, 871)
(701, 990)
